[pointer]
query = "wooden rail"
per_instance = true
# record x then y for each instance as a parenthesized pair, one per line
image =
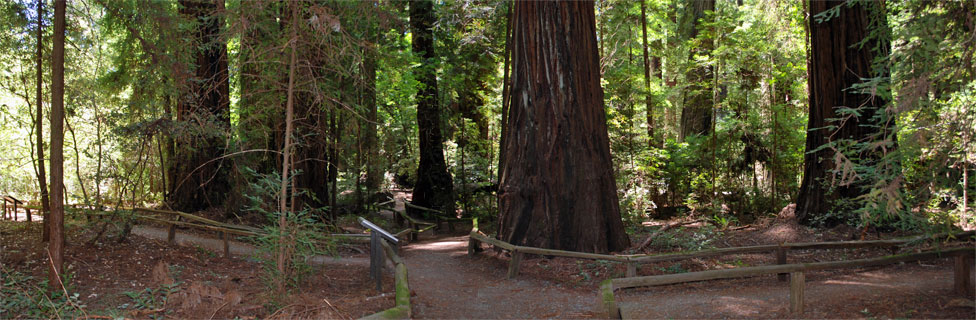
(779, 251)
(15, 203)
(963, 285)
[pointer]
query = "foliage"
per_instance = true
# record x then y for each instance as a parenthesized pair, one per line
(24, 296)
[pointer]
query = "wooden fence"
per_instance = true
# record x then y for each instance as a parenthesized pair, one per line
(962, 282)
(780, 251)
(401, 308)
(15, 203)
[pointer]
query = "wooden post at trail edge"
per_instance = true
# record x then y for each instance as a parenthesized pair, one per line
(781, 259)
(797, 280)
(631, 269)
(962, 284)
(171, 236)
(226, 236)
(513, 266)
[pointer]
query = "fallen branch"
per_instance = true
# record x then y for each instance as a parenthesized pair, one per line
(666, 227)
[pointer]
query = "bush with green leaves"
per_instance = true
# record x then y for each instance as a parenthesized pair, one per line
(23, 296)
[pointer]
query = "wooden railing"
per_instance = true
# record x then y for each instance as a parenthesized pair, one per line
(962, 282)
(380, 250)
(780, 251)
(13, 214)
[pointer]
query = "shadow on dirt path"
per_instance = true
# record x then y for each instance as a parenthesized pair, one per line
(450, 284)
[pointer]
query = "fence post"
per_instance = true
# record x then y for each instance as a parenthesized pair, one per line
(963, 266)
(171, 236)
(226, 237)
(781, 259)
(376, 260)
(513, 266)
(796, 292)
(631, 269)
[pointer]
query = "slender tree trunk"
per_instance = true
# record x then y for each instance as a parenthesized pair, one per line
(434, 187)
(56, 245)
(374, 172)
(558, 190)
(41, 175)
(696, 113)
(505, 88)
(837, 62)
(649, 101)
(286, 158)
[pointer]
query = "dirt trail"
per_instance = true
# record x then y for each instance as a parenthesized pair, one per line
(451, 285)
(236, 248)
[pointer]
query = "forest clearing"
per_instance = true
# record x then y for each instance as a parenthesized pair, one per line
(244, 159)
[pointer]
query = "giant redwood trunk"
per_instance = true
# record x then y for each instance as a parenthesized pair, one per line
(199, 177)
(557, 188)
(836, 64)
(434, 187)
(696, 112)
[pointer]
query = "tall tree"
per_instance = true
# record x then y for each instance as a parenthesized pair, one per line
(39, 123)
(648, 99)
(696, 113)
(557, 189)
(56, 245)
(198, 178)
(434, 188)
(839, 60)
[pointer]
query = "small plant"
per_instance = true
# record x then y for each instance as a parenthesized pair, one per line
(23, 297)
(674, 268)
(153, 299)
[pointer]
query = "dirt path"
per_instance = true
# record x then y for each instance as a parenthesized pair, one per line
(449, 284)
(236, 248)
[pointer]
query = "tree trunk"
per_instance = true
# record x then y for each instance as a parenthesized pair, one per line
(696, 113)
(41, 175)
(199, 180)
(649, 101)
(434, 187)
(56, 245)
(836, 64)
(374, 172)
(558, 190)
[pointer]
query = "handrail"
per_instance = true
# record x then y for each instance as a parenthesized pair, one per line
(373, 227)
(401, 308)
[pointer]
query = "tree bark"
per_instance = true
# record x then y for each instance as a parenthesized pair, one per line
(283, 243)
(56, 245)
(836, 64)
(41, 175)
(649, 101)
(696, 113)
(203, 110)
(434, 187)
(558, 190)
(374, 173)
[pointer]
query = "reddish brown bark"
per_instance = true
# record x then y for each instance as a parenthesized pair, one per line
(199, 179)
(56, 243)
(557, 189)
(836, 64)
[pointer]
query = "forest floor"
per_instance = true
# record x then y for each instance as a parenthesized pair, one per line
(116, 279)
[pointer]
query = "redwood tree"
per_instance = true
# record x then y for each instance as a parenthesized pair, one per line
(838, 61)
(434, 187)
(56, 245)
(557, 188)
(199, 179)
(696, 112)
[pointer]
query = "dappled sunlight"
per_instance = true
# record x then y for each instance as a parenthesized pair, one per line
(858, 283)
(741, 306)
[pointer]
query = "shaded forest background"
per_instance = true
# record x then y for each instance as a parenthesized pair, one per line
(182, 104)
